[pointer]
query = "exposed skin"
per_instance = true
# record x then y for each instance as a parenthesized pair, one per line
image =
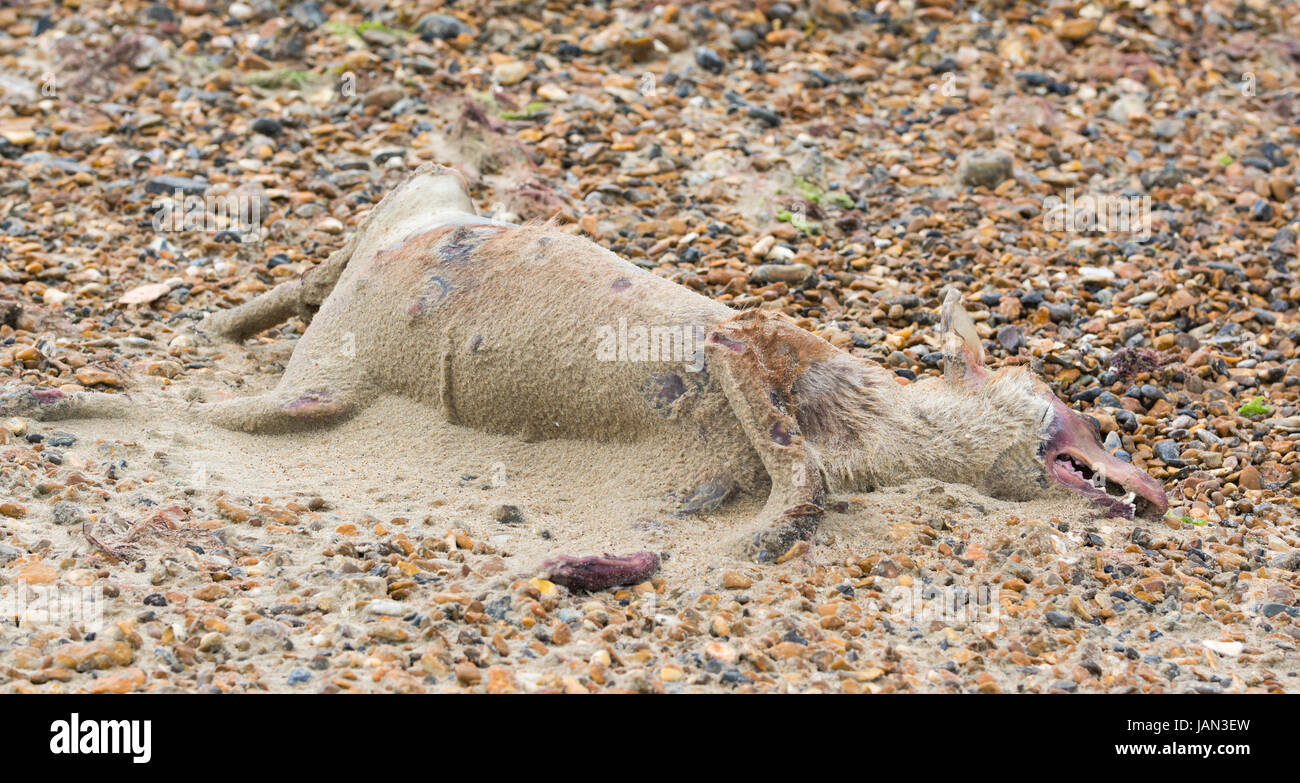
(592, 574)
(515, 329)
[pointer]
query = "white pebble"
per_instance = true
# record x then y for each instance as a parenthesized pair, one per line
(780, 254)
(387, 606)
(1231, 649)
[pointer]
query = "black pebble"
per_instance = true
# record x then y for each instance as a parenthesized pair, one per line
(709, 60)
(1059, 620)
(267, 126)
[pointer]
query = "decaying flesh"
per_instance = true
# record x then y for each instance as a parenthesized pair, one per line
(521, 330)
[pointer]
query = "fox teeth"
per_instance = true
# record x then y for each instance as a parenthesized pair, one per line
(1129, 497)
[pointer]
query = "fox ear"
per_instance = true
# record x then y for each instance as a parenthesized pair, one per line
(963, 355)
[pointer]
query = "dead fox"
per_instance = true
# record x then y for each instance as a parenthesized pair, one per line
(532, 331)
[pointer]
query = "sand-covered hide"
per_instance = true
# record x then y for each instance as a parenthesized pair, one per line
(398, 552)
(844, 166)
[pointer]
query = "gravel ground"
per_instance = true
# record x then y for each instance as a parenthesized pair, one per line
(843, 163)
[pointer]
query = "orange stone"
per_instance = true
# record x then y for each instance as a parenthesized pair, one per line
(119, 682)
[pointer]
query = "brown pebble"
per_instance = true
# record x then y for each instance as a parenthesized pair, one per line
(1249, 478)
(468, 674)
(733, 580)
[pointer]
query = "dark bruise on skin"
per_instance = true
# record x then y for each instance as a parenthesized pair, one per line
(664, 390)
(595, 573)
(475, 342)
(432, 292)
(620, 285)
(458, 245)
(780, 435)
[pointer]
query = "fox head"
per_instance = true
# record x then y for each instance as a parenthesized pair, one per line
(1031, 443)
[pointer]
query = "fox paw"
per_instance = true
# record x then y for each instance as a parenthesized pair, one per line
(788, 537)
(30, 402)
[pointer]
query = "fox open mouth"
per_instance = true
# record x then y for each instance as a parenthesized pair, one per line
(1076, 473)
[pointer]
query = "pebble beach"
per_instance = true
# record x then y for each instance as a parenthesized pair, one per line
(1111, 186)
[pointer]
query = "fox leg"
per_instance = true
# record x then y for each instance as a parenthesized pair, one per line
(794, 506)
(431, 191)
(301, 297)
(281, 410)
(56, 405)
(322, 385)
